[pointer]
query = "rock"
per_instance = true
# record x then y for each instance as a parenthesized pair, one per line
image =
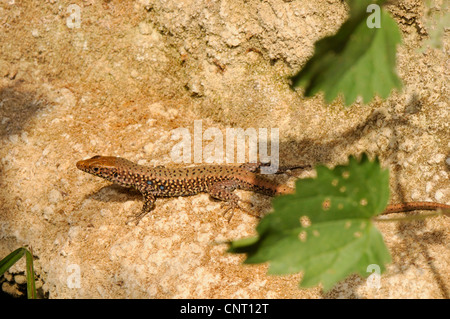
(54, 196)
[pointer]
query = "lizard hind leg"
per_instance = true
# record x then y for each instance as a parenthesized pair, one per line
(224, 191)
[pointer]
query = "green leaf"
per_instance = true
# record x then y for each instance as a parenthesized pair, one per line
(31, 284)
(11, 259)
(325, 228)
(356, 61)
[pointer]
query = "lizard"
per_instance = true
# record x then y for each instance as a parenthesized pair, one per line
(219, 181)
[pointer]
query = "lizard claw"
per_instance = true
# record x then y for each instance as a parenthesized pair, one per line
(136, 218)
(233, 205)
(227, 210)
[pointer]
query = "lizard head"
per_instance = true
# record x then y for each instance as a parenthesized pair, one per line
(111, 168)
(102, 166)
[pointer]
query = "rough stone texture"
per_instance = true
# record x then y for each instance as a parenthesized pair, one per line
(133, 72)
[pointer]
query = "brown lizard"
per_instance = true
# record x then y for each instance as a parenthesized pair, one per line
(219, 181)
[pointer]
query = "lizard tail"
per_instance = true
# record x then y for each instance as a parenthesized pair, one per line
(283, 189)
(406, 207)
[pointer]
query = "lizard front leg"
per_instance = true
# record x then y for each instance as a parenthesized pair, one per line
(149, 204)
(223, 190)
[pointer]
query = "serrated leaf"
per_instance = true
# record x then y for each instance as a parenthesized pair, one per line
(356, 61)
(325, 228)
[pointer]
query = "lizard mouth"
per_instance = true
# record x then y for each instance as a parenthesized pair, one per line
(93, 164)
(81, 165)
